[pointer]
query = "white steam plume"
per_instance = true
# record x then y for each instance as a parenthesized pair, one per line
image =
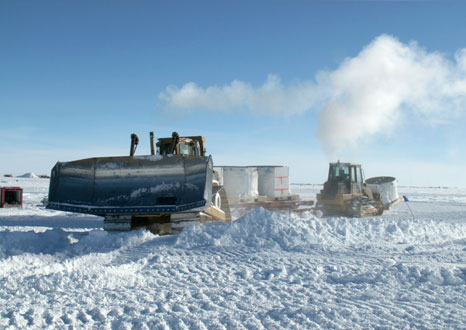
(366, 95)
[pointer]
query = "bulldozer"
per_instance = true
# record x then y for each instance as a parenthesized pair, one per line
(345, 193)
(163, 192)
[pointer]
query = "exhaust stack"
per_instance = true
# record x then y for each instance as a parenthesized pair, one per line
(152, 144)
(134, 144)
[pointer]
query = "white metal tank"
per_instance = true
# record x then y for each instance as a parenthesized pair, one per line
(240, 181)
(218, 174)
(386, 186)
(274, 181)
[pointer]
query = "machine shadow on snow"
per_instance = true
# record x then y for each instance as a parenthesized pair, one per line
(68, 243)
(52, 222)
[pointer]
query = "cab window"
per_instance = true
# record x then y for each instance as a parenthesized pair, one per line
(353, 174)
(358, 175)
(184, 149)
(340, 173)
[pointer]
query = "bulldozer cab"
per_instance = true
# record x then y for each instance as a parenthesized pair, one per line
(344, 178)
(190, 145)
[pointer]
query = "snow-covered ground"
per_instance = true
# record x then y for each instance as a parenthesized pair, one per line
(265, 271)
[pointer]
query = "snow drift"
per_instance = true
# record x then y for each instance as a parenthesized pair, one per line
(29, 175)
(257, 229)
(264, 229)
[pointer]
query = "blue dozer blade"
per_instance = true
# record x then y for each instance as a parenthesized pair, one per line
(132, 185)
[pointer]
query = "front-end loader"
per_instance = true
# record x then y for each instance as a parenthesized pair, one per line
(164, 191)
(345, 193)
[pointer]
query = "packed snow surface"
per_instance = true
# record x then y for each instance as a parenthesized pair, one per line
(405, 269)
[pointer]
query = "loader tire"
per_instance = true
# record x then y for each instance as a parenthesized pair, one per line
(353, 208)
(320, 208)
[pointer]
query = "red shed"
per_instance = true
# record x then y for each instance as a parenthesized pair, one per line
(11, 197)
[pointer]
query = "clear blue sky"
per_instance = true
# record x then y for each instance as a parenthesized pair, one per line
(77, 78)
